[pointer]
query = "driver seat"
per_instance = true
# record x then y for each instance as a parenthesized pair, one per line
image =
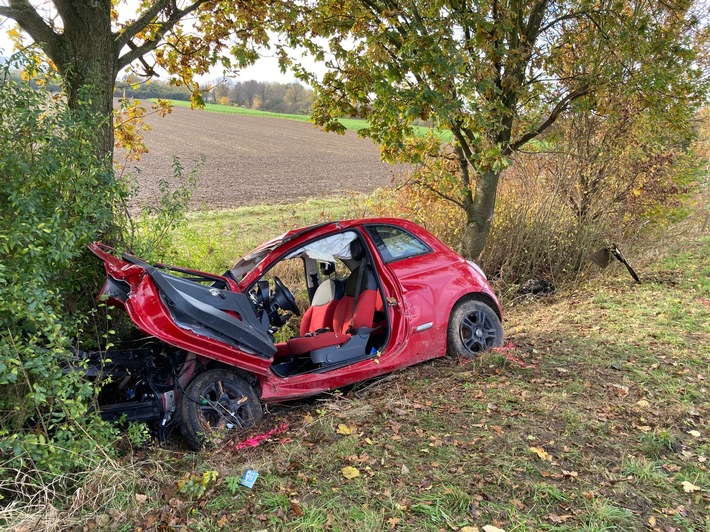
(351, 312)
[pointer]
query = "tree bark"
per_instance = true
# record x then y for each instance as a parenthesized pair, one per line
(86, 57)
(479, 215)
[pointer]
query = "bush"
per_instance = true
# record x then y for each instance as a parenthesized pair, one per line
(594, 182)
(55, 197)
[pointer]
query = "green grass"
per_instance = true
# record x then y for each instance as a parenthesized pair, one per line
(214, 240)
(351, 124)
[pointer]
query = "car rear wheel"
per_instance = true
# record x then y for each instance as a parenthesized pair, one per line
(215, 404)
(474, 327)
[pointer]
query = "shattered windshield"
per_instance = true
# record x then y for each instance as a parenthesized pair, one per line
(251, 260)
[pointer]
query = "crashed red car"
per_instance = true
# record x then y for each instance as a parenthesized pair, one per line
(373, 295)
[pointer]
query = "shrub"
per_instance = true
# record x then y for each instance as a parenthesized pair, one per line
(595, 181)
(55, 196)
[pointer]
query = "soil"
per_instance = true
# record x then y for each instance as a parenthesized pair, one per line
(257, 160)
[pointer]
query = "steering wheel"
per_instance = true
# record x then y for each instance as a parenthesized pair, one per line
(283, 297)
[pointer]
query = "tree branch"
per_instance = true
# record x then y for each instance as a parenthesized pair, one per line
(29, 20)
(559, 108)
(437, 192)
(175, 16)
(124, 36)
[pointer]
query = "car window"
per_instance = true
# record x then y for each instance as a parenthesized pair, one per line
(394, 243)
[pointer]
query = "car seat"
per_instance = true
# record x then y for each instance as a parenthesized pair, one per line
(352, 312)
(320, 314)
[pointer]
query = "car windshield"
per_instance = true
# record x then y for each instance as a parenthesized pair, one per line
(252, 259)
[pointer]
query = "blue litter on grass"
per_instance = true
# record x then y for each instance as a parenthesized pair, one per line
(249, 478)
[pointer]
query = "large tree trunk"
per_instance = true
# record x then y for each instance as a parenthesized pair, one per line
(479, 215)
(85, 56)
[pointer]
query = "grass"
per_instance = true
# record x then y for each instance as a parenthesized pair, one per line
(351, 124)
(596, 433)
(214, 240)
(604, 428)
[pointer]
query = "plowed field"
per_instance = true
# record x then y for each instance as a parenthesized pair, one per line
(254, 160)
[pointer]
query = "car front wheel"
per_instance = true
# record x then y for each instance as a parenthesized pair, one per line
(473, 327)
(216, 403)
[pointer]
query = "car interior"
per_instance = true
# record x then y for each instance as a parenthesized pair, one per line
(343, 320)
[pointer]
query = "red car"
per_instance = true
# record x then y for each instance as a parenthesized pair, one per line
(373, 295)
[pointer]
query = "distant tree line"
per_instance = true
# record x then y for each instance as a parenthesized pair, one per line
(275, 97)
(272, 96)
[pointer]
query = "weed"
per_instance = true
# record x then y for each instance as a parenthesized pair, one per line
(657, 443)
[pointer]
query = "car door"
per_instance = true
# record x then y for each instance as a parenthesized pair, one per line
(413, 263)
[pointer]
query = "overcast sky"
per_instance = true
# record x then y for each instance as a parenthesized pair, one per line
(266, 69)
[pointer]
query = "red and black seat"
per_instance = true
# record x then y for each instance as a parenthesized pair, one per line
(319, 315)
(354, 311)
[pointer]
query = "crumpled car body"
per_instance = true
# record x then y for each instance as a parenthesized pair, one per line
(374, 295)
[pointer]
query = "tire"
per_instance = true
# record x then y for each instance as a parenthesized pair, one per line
(216, 403)
(474, 327)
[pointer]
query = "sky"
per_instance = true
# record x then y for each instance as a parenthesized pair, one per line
(266, 69)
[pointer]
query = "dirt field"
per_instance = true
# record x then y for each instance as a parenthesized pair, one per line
(252, 160)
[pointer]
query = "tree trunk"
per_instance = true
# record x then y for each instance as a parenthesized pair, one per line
(85, 56)
(479, 215)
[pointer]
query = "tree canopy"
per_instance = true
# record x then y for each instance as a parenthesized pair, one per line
(496, 73)
(90, 42)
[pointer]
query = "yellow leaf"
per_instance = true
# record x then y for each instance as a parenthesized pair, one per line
(308, 419)
(694, 433)
(541, 453)
(643, 403)
(350, 472)
(688, 487)
(469, 529)
(344, 429)
(491, 528)
(651, 521)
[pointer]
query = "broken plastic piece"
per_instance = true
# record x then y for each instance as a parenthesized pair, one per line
(602, 258)
(256, 440)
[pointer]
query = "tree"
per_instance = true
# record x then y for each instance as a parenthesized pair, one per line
(90, 45)
(495, 73)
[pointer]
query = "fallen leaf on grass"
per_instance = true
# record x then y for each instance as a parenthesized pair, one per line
(469, 529)
(621, 390)
(541, 453)
(643, 403)
(222, 521)
(344, 429)
(350, 472)
(141, 498)
(689, 487)
(694, 433)
(394, 521)
(296, 508)
(491, 528)
(559, 519)
(405, 470)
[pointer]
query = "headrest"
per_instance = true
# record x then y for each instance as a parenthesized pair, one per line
(357, 249)
(324, 294)
(327, 268)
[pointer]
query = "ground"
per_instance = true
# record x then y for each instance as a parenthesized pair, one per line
(594, 417)
(256, 160)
